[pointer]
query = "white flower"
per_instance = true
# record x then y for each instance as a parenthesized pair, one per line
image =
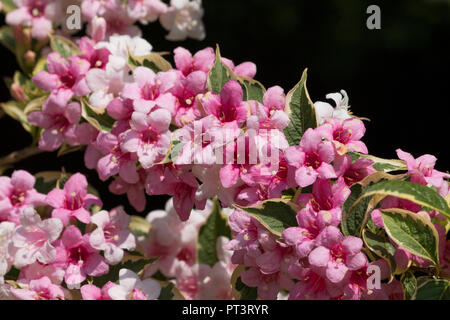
(131, 287)
(326, 110)
(184, 19)
(6, 247)
(118, 46)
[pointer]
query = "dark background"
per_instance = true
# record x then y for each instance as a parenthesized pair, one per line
(396, 76)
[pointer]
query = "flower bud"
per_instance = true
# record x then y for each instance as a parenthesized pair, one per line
(17, 92)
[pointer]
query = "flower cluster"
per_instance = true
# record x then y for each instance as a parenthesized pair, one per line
(182, 18)
(62, 245)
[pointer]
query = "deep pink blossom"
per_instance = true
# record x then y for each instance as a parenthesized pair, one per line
(71, 201)
(312, 158)
(81, 259)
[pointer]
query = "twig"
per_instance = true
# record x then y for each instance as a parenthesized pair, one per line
(20, 155)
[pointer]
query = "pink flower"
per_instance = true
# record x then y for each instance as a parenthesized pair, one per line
(34, 238)
(16, 193)
(422, 169)
(352, 171)
(172, 240)
(116, 161)
(336, 254)
(92, 8)
(7, 230)
(202, 60)
(199, 140)
(189, 279)
(303, 238)
(227, 107)
(270, 114)
(97, 58)
(60, 123)
(312, 159)
(71, 202)
(67, 75)
(37, 14)
(183, 19)
(119, 22)
(268, 284)
(325, 201)
(182, 185)
(185, 89)
(246, 69)
(132, 288)
(81, 259)
(147, 10)
(135, 191)
(149, 136)
(346, 134)
(112, 234)
(149, 90)
(313, 285)
(40, 289)
(91, 292)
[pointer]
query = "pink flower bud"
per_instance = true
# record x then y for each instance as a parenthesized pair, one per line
(17, 92)
(30, 57)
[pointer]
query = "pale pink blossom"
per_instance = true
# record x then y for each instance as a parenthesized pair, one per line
(131, 287)
(17, 193)
(39, 289)
(112, 235)
(34, 238)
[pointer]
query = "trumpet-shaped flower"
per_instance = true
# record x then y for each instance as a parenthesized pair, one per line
(312, 159)
(71, 202)
(131, 287)
(17, 193)
(81, 259)
(34, 238)
(112, 234)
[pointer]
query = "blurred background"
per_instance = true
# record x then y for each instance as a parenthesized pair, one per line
(398, 76)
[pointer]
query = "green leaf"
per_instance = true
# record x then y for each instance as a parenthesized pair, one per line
(275, 214)
(253, 90)
(8, 5)
(13, 274)
(44, 187)
(417, 193)
(412, 232)
(7, 38)
(353, 217)
(166, 292)
(214, 227)
(139, 226)
(409, 283)
(219, 74)
(100, 121)
(432, 289)
(15, 110)
(64, 46)
(152, 61)
(66, 149)
(301, 112)
(380, 164)
(381, 247)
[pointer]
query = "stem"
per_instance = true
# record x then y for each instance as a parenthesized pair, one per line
(20, 155)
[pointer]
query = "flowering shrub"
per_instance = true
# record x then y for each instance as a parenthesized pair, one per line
(272, 195)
